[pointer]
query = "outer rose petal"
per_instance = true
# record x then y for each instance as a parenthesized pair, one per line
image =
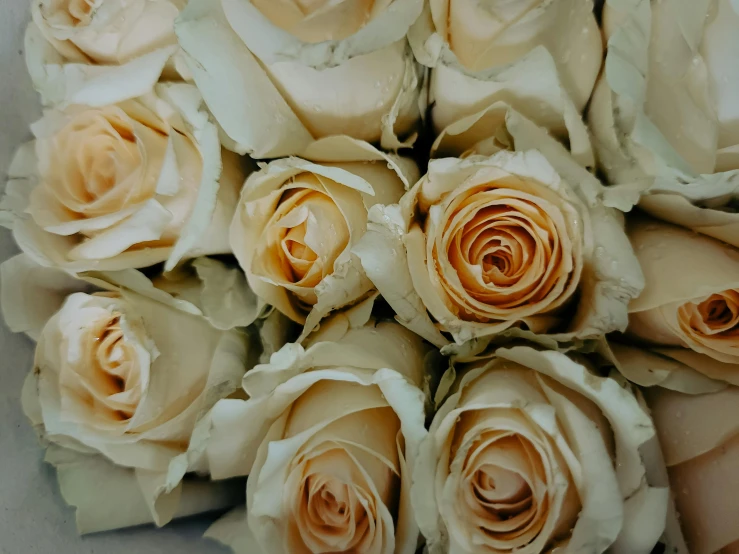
(31, 294)
(698, 436)
(486, 132)
(669, 69)
(374, 79)
(108, 497)
(545, 37)
(457, 97)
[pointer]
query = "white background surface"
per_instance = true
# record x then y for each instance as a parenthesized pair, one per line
(33, 517)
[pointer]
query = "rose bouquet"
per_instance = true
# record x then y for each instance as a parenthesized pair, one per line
(385, 276)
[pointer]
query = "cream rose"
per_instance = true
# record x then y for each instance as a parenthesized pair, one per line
(688, 311)
(698, 435)
(125, 185)
(664, 113)
(297, 221)
(308, 69)
(328, 436)
(486, 52)
(482, 245)
(533, 452)
(120, 382)
(73, 46)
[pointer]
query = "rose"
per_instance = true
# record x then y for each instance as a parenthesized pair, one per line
(309, 70)
(72, 45)
(125, 185)
(297, 221)
(120, 381)
(664, 111)
(328, 436)
(514, 240)
(698, 438)
(486, 52)
(687, 312)
(533, 452)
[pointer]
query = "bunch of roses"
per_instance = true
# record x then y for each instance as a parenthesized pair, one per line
(530, 345)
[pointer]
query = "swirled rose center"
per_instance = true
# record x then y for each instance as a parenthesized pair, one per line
(104, 379)
(718, 314)
(95, 163)
(117, 369)
(303, 239)
(333, 513)
(712, 325)
(505, 488)
(503, 253)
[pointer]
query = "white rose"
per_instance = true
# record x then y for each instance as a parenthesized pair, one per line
(698, 435)
(329, 437)
(540, 56)
(516, 240)
(308, 70)
(664, 113)
(74, 45)
(533, 452)
(686, 318)
(125, 185)
(298, 220)
(120, 381)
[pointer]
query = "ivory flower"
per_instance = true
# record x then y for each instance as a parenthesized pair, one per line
(329, 437)
(687, 314)
(482, 245)
(664, 113)
(297, 221)
(119, 384)
(75, 46)
(308, 69)
(482, 53)
(124, 185)
(532, 452)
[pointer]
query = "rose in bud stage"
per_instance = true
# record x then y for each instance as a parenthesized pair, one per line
(520, 239)
(297, 221)
(72, 46)
(329, 437)
(665, 114)
(124, 185)
(532, 452)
